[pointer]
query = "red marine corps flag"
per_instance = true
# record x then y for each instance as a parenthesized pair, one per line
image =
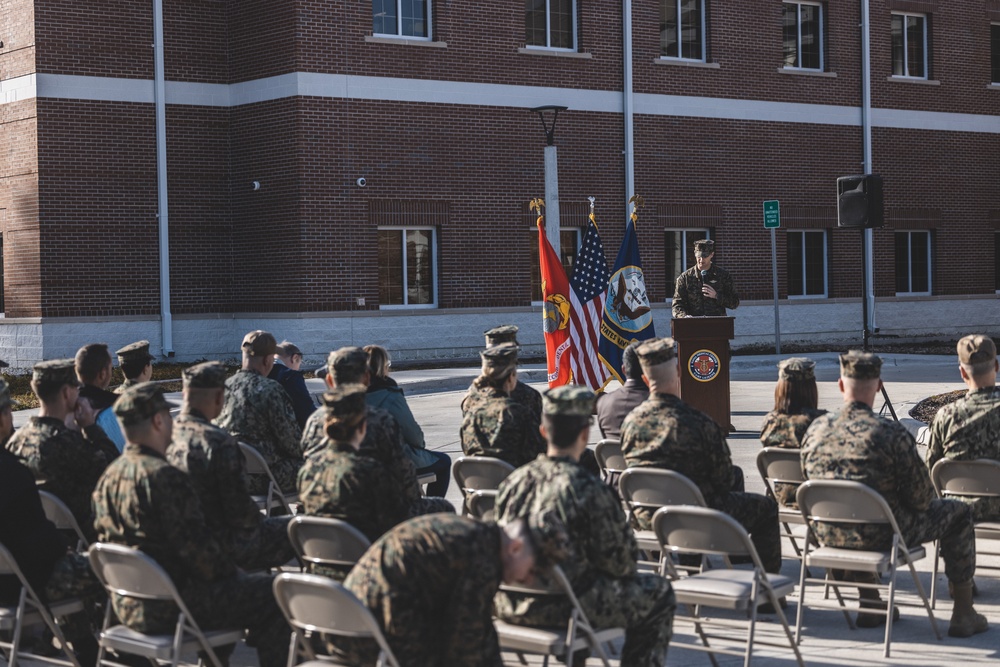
(555, 306)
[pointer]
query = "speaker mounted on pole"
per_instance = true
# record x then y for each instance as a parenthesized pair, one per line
(859, 202)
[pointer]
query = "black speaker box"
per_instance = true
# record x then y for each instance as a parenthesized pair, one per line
(859, 201)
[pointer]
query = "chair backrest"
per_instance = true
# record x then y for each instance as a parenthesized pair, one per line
(59, 514)
(314, 603)
(8, 566)
(777, 464)
(256, 465)
(609, 455)
(130, 572)
(473, 473)
(843, 501)
(323, 541)
(979, 478)
(481, 504)
(655, 487)
(701, 530)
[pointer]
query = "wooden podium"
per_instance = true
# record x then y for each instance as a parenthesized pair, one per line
(703, 359)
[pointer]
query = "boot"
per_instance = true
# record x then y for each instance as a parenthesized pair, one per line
(965, 621)
(951, 590)
(869, 598)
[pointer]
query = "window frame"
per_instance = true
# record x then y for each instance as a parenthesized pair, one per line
(995, 53)
(996, 261)
(821, 35)
(399, 24)
(574, 8)
(680, 45)
(577, 231)
(909, 254)
(684, 244)
(926, 46)
(434, 267)
(826, 264)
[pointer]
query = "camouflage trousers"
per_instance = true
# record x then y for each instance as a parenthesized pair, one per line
(949, 521)
(264, 548)
(759, 515)
(643, 604)
(72, 578)
(240, 601)
(431, 505)
(983, 509)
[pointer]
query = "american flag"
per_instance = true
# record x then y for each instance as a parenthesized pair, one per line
(589, 289)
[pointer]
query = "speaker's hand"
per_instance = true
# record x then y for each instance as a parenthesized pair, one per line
(709, 291)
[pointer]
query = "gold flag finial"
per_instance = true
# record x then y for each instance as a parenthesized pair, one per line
(637, 202)
(592, 218)
(537, 204)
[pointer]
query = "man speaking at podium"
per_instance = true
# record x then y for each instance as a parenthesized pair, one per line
(704, 289)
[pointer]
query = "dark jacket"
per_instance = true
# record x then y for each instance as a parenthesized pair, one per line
(614, 406)
(294, 383)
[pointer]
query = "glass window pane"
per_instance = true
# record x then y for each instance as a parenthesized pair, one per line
(390, 267)
(415, 18)
(567, 250)
(790, 33)
(561, 22)
(691, 29)
(915, 45)
(902, 262)
(996, 261)
(668, 29)
(995, 45)
(810, 36)
(673, 251)
(534, 22)
(815, 258)
(920, 269)
(419, 267)
(795, 259)
(898, 63)
(384, 17)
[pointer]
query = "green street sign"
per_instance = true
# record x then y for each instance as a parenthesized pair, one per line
(772, 217)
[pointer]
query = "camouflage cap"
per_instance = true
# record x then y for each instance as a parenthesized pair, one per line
(704, 247)
(346, 401)
(140, 402)
(860, 365)
(5, 400)
(55, 372)
(259, 343)
(976, 349)
(135, 352)
(350, 360)
(549, 538)
(569, 399)
(656, 351)
(499, 360)
(505, 333)
(796, 368)
(206, 375)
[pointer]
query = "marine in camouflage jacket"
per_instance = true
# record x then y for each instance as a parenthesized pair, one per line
(495, 425)
(786, 431)
(690, 302)
(70, 462)
(522, 394)
(258, 412)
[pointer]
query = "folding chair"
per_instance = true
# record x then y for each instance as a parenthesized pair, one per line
(706, 532)
(558, 642)
(256, 465)
(130, 572)
(313, 604)
(326, 542)
(968, 479)
(425, 479)
(30, 611)
(481, 504)
(777, 465)
(59, 514)
(653, 488)
(846, 502)
(610, 460)
(475, 473)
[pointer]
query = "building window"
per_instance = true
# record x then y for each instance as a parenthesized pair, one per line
(995, 52)
(803, 35)
(678, 247)
(569, 245)
(550, 23)
(996, 264)
(3, 307)
(909, 45)
(913, 263)
(402, 18)
(407, 266)
(807, 271)
(682, 29)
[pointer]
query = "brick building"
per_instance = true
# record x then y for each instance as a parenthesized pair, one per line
(272, 112)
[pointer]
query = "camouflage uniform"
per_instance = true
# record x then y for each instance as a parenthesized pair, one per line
(258, 412)
(690, 302)
(125, 385)
(143, 502)
(858, 445)
(494, 425)
(212, 457)
(384, 444)
(70, 462)
(665, 432)
(603, 567)
(430, 584)
(786, 431)
(522, 395)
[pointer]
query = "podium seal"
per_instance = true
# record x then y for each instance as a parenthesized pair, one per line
(703, 365)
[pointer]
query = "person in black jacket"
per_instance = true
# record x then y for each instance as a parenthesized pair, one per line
(287, 362)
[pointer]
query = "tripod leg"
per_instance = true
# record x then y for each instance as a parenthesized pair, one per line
(888, 404)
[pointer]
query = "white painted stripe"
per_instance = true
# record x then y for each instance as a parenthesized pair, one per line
(339, 86)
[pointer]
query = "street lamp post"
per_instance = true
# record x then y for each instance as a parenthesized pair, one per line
(551, 175)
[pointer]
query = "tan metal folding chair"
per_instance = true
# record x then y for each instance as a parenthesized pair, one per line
(130, 572)
(706, 532)
(324, 541)
(968, 479)
(59, 514)
(562, 643)
(481, 504)
(30, 611)
(783, 466)
(475, 473)
(275, 497)
(315, 604)
(846, 502)
(653, 488)
(610, 460)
